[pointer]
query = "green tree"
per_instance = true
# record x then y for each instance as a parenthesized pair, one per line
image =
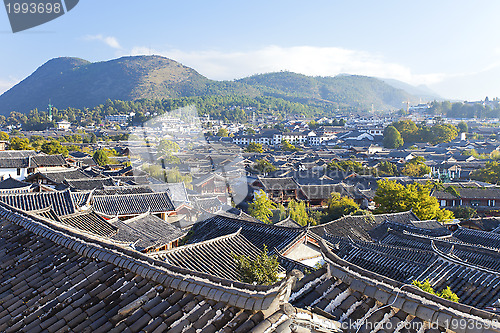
(465, 212)
(53, 147)
(490, 173)
(298, 212)
(416, 167)
(17, 143)
(392, 138)
(393, 197)
(339, 206)
(100, 157)
(287, 146)
(407, 129)
(446, 293)
(262, 270)
(261, 207)
(167, 147)
(4, 136)
(463, 127)
(386, 168)
(254, 147)
(262, 166)
(222, 132)
(443, 133)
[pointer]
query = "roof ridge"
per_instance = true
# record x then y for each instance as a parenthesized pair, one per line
(168, 275)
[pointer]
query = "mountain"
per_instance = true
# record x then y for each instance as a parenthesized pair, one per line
(423, 92)
(74, 82)
(353, 90)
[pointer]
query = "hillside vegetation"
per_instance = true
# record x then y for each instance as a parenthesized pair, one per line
(77, 83)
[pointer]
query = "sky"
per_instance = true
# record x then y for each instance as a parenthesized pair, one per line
(452, 47)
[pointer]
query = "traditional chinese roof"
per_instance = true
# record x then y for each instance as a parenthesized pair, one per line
(87, 184)
(133, 204)
(146, 231)
(60, 201)
(213, 256)
(59, 176)
(259, 234)
(54, 279)
(14, 184)
(358, 227)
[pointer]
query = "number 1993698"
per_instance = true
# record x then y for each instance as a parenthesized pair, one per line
(33, 8)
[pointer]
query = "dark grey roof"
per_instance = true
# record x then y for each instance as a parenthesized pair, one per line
(14, 162)
(285, 183)
(59, 176)
(358, 227)
(16, 153)
(133, 204)
(146, 231)
(88, 184)
(89, 222)
(213, 256)
(11, 183)
(259, 234)
(48, 160)
(60, 201)
(73, 283)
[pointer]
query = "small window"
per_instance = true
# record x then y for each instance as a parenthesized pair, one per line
(18, 171)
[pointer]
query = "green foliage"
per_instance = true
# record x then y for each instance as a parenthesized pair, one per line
(298, 213)
(435, 134)
(262, 270)
(339, 206)
(464, 212)
(346, 165)
(490, 173)
(254, 147)
(4, 136)
(222, 132)
(463, 127)
(446, 293)
(393, 197)
(392, 138)
(386, 168)
(53, 147)
(453, 191)
(17, 143)
(467, 110)
(167, 147)
(263, 166)
(261, 207)
(416, 167)
(100, 157)
(286, 146)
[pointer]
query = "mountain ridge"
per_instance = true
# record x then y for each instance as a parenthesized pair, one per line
(75, 82)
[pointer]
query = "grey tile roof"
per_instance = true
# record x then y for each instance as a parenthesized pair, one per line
(358, 227)
(368, 302)
(146, 231)
(132, 204)
(59, 176)
(259, 234)
(60, 201)
(213, 256)
(87, 184)
(52, 279)
(11, 183)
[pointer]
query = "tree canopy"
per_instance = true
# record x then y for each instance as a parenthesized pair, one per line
(490, 173)
(416, 167)
(392, 138)
(262, 270)
(298, 213)
(254, 147)
(393, 197)
(339, 206)
(100, 157)
(261, 207)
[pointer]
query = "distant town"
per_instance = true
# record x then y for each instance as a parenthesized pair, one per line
(186, 222)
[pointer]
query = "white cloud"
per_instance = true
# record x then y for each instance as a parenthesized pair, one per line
(309, 60)
(108, 40)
